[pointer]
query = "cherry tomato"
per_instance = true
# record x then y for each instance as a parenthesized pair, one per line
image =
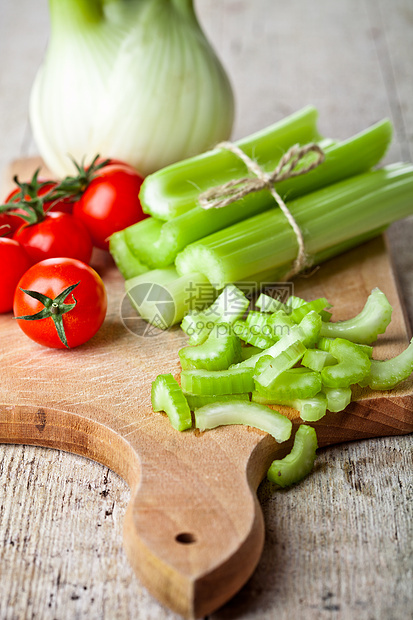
(59, 234)
(110, 202)
(50, 278)
(9, 222)
(15, 262)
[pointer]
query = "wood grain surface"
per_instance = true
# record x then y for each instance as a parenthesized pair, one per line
(344, 534)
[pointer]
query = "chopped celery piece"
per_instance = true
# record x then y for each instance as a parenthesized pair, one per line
(316, 360)
(247, 352)
(166, 395)
(296, 383)
(299, 462)
(229, 381)
(251, 414)
(270, 304)
(386, 374)
(127, 263)
(317, 305)
(199, 400)
(266, 376)
(353, 365)
(227, 308)
(162, 298)
(221, 349)
(366, 326)
(337, 398)
(257, 319)
(324, 344)
(294, 302)
(339, 214)
(251, 334)
(307, 332)
(311, 409)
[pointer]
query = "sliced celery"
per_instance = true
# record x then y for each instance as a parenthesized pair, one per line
(337, 398)
(270, 304)
(251, 334)
(166, 395)
(265, 377)
(247, 352)
(266, 243)
(221, 349)
(251, 414)
(232, 381)
(366, 326)
(299, 462)
(385, 375)
(311, 409)
(317, 305)
(200, 400)
(228, 307)
(127, 263)
(307, 332)
(316, 360)
(353, 365)
(324, 344)
(296, 383)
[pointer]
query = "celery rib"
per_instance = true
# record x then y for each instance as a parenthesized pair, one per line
(386, 374)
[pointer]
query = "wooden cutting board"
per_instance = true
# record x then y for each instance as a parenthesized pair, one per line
(193, 530)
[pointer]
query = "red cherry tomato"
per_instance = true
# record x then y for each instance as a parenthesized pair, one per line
(15, 262)
(59, 234)
(50, 278)
(9, 223)
(110, 202)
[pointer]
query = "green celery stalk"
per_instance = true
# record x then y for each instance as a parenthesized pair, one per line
(126, 261)
(163, 298)
(296, 383)
(174, 190)
(157, 244)
(266, 243)
(267, 373)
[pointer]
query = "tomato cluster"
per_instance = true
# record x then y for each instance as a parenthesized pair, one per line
(47, 232)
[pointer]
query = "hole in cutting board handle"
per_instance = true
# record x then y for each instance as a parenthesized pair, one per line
(185, 538)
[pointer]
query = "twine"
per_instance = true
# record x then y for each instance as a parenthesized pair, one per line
(226, 194)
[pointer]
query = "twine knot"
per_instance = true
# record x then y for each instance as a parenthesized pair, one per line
(226, 194)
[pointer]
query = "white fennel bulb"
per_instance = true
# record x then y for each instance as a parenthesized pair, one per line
(134, 80)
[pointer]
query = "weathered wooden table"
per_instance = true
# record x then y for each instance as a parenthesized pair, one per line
(339, 545)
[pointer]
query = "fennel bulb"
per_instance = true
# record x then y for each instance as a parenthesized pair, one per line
(134, 80)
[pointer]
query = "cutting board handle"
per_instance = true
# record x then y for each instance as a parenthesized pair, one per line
(194, 529)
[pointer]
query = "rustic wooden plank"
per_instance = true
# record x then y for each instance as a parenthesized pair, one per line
(343, 73)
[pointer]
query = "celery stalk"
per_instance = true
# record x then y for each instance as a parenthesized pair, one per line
(125, 259)
(162, 298)
(386, 374)
(327, 217)
(157, 243)
(175, 189)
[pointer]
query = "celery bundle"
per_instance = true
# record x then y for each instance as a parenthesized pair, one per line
(338, 205)
(302, 368)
